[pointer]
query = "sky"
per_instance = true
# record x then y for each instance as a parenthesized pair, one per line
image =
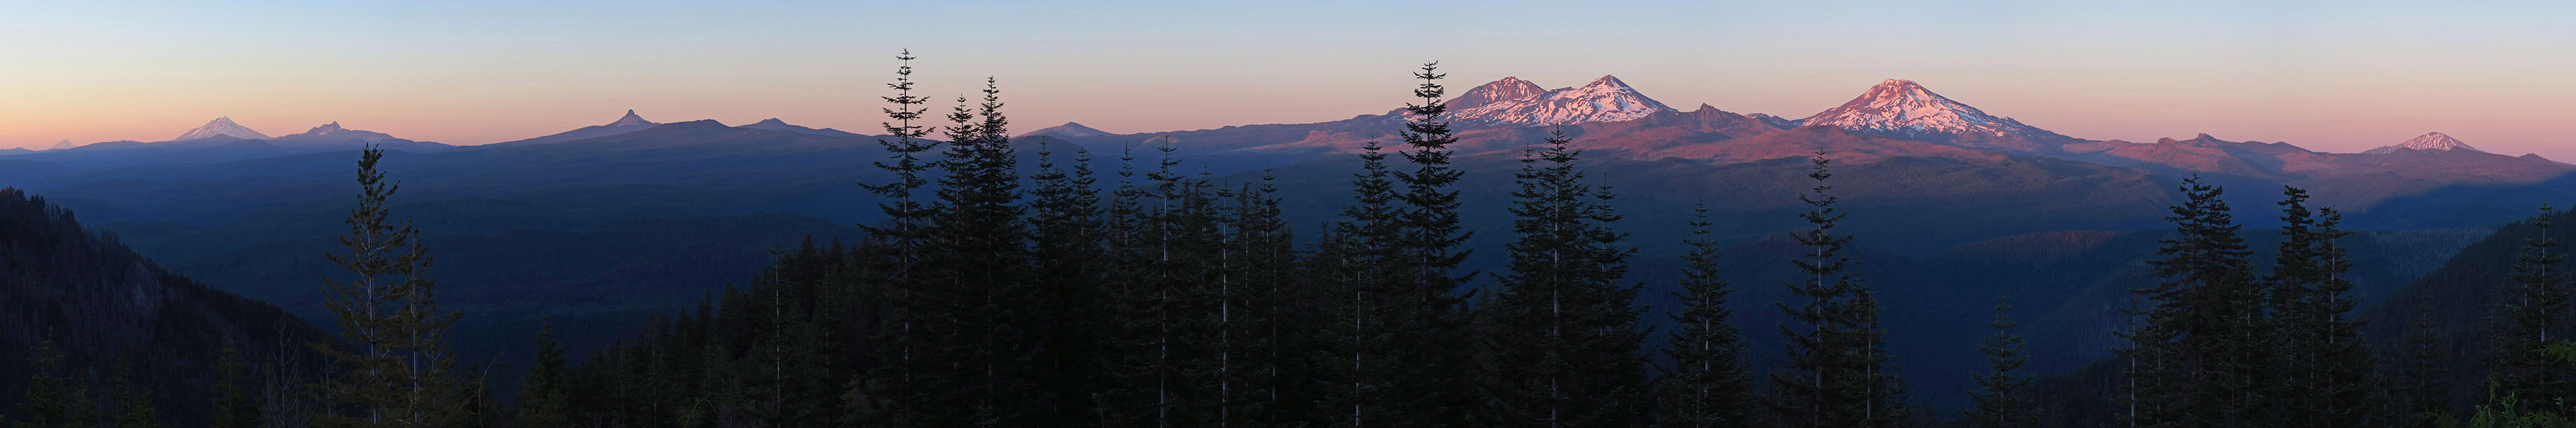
(2337, 76)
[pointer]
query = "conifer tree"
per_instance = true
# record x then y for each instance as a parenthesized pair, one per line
(1708, 385)
(2148, 375)
(1195, 269)
(544, 400)
(1808, 390)
(52, 398)
(1065, 226)
(2001, 402)
(398, 374)
(233, 405)
(1254, 268)
(1426, 245)
(1129, 393)
(1882, 392)
(2424, 394)
(2200, 354)
(978, 253)
(2536, 308)
(1837, 373)
(2326, 373)
(894, 387)
(133, 402)
(1563, 350)
(1363, 290)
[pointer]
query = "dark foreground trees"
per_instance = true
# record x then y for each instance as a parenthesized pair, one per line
(997, 296)
(396, 371)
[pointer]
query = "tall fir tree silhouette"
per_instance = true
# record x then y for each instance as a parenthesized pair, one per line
(397, 372)
(1708, 385)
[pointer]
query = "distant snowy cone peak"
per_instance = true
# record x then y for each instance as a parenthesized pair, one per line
(1902, 107)
(221, 127)
(2431, 142)
(1519, 102)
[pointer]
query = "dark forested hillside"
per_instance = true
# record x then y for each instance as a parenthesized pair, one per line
(2458, 308)
(111, 317)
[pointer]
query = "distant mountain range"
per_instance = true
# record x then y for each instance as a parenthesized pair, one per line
(594, 223)
(219, 140)
(774, 124)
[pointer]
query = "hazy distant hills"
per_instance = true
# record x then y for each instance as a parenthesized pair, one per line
(773, 124)
(220, 140)
(629, 123)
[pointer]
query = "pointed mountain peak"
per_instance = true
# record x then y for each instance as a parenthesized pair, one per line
(334, 126)
(64, 145)
(2430, 141)
(1068, 130)
(221, 127)
(1506, 89)
(1607, 80)
(631, 119)
(1904, 108)
(1901, 90)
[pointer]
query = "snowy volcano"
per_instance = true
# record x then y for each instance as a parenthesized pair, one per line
(2431, 142)
(221, 127)
(1517, 102)
(1902, 108)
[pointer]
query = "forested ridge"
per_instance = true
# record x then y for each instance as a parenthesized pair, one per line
(993, 296)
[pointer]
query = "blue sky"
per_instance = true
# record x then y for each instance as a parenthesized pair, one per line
(2336, 76)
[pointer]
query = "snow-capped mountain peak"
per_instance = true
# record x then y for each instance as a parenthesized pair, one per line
(326, 128)
(1509, 88)
(221, 127)
(1899, 106)
(1516, 102)
(64, 145)
(631, 119)
(2431, 142)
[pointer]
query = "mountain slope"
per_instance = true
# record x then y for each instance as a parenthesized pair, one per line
(1904, 109)
(1510, 102)
(2431, 142)
(773, 124)
(1067, 130)
(221, 127)
(106, 308)
(629, 123)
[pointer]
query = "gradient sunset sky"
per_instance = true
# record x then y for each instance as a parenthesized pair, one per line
(2331, 76)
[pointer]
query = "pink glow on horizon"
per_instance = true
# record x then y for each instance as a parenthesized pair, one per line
(2341, 78)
